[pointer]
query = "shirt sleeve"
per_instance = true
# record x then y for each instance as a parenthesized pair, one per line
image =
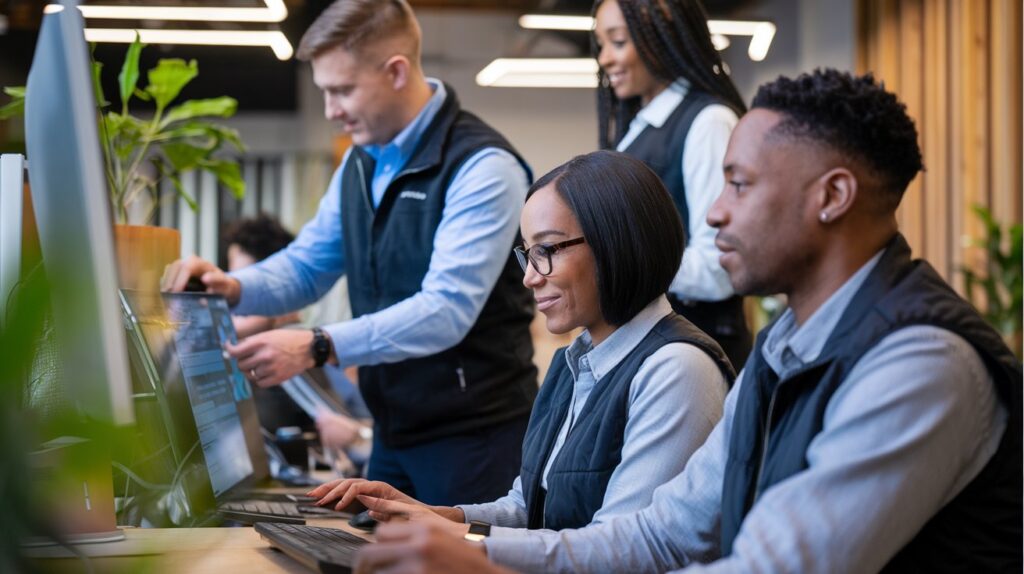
(471, 246)
(508, 511)
(679, 526)
(915, 422)
(700, 276)
(303, 271)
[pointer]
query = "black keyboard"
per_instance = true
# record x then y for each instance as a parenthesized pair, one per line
(255, 511)
(326, 550)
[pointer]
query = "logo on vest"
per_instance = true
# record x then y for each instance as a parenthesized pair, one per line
(417, 195)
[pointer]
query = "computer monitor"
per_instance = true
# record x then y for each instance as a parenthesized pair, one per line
(208, 405)
(70, 198)
(12, 183)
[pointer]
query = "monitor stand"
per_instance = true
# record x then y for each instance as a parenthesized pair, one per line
(74, 493)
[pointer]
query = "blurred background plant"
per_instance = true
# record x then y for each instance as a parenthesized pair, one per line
(141, 153)
(996, 290)
(20, 329)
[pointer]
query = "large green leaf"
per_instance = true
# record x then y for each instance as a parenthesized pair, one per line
(168, 78)
(184, 156)
(129, 76)
(228, 174)
(223, 107)
(15, 91)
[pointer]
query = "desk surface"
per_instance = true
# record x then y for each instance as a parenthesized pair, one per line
(193, 550)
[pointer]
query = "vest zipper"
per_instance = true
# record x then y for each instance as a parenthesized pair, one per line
(462, 378)
(362, 184)
(764, 445)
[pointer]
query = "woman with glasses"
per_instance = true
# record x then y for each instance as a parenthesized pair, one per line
(623, 406)
(664, 97)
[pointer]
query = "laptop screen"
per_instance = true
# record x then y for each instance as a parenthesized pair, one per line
(214, 386)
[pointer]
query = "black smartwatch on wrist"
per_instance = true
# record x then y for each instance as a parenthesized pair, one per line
(321, 347)
(477, 531)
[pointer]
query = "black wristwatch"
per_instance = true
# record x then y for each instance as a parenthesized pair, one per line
(477, 531)
(321, 347)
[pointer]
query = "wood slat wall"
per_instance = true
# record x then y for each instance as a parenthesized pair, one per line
(957, 65)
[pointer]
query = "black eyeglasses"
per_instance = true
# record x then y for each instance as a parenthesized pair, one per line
(539, 255)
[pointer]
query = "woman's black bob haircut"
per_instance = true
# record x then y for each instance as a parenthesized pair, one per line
(630, 223)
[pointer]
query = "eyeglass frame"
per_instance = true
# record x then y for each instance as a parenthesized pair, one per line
(549, 249)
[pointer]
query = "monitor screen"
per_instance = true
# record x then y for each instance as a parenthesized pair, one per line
(214, 384)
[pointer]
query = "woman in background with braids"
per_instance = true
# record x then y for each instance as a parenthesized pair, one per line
(664, 97)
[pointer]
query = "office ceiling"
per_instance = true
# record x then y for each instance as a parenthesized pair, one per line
(263, 83)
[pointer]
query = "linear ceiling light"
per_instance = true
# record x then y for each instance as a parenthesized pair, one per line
(551, 22)
(274, 11)
(275, 40)
(539, 73)
(761, 32)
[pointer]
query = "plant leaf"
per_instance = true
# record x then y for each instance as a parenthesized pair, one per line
(184, 156)
(129, 76)
(223, 107)
(13, 109)
(181, 191)
(15, 91)
(97, 85)
(216, 134)
(178, 188)
(229, 175)
(168, 78)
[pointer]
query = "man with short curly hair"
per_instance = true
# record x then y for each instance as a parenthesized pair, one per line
(877, 424)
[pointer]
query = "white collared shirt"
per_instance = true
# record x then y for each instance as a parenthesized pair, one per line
(700, 277)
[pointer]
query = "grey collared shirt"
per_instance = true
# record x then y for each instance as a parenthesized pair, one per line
(915, 422)
(675, 399)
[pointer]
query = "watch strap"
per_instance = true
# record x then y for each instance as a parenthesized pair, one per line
(321, 347)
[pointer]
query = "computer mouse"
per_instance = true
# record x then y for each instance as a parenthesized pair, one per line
(363, 521)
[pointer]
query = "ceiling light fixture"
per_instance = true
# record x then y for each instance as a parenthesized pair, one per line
(539, 73)
(761, 32)
(275, 40)
(274, 11)
(551, 22)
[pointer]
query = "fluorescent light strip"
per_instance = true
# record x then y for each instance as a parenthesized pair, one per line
(761, 33)
(539, 73)
(275, 40)
(275, 11)
(549, 22)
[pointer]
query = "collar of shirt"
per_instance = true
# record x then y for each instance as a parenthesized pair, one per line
(582, 355)
(392, 156)
(656, 112)
(789, 346)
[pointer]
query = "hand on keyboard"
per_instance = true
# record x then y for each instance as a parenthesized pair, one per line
(417, 547)
(383, 510)
(345, 492)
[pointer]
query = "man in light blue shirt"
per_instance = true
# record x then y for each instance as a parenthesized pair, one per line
(877, 425)
(421, 216)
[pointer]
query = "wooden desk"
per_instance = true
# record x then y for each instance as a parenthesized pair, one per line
(192, 550)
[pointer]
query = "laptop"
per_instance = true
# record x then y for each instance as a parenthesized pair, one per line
(208, 404)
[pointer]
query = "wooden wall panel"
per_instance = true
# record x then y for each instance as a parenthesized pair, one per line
(957, 66)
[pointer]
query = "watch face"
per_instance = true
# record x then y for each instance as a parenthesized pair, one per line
(474, 537)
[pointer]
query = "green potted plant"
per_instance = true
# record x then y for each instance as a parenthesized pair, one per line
(997, 291)
(141, 153)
